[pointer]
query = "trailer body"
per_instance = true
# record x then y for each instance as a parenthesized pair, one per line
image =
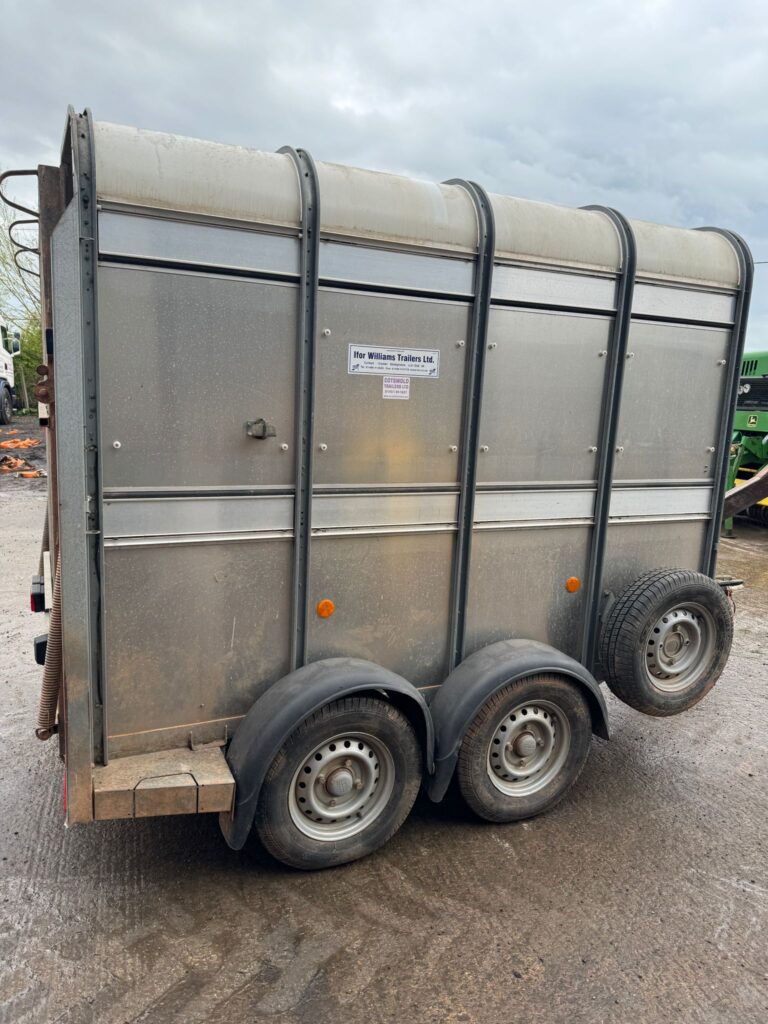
(308, 412)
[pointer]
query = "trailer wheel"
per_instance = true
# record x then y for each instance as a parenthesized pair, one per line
(666, 641)
(525, 748)
(6, 405)
(341, 785)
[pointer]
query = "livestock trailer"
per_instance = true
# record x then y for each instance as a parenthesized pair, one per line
(361, 483)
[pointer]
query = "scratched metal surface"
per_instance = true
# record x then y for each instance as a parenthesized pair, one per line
(642, 897)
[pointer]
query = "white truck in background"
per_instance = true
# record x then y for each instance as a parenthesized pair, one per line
(10, 346)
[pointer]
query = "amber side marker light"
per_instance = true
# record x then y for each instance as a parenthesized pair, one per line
(572, 584)
(325, 608)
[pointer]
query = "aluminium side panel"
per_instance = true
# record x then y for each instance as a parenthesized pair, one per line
(79, 682)
(386, 460)
(196, 625)
(669, 425)
(670, 406)
(543, 390)
(197, 514)
(370, 438)
(187, 360)
(539, 437)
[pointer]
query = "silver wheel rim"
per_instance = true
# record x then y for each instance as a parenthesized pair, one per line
(528, 748)
(677, 645)
(342, 787)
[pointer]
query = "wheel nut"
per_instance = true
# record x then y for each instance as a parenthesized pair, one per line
(321, 778)
(331, 803)
(348, 763)
(359, 784)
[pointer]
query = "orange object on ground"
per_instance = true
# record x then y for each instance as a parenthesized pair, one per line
(25, 442)
(31, 474)
(9, 465)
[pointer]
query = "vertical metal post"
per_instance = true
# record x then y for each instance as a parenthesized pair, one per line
(612, 391)
(85, 196)
(473, 390)
(728, 407)
(305, 387)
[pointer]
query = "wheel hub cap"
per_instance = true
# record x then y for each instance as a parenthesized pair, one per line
(341, 787)
(525, 744)
(528, 748)
(340, 782)
(678, 643)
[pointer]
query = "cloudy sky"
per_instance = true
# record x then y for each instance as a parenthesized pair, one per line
(659, 108)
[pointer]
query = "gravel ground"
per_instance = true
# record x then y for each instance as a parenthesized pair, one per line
(643, 897)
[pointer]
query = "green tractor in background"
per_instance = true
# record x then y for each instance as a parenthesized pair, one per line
(749, 443)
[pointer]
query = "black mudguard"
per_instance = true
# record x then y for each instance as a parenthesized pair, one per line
(286, 704)
(469, 686)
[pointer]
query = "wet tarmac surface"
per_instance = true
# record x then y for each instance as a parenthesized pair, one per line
(643, 897)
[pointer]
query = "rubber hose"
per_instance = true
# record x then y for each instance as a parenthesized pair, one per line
(49, 694)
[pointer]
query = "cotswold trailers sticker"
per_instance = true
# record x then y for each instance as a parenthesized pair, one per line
(396, 387)
(400, 362)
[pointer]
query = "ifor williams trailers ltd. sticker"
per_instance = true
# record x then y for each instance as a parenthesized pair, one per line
(402, 362)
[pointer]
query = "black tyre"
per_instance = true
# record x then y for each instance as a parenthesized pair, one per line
(341, 786)
(6, 405)
(758, 514)
(525, 749)
(666, 641)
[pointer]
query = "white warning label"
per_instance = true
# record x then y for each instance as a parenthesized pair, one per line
(396, 387)
(402, 362)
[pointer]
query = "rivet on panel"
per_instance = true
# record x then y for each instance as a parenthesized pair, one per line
(721, 362)
(711, 448)
(453, 447)
(592, 448)
(459, 344)
(484, 448)
(327, 332)
(283, 447)
(620, 449)
(493, 345)
(323, 447)
(604, 352)
(116, 444)
(630, 355)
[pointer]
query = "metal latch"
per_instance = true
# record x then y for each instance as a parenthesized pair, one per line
(260, 429)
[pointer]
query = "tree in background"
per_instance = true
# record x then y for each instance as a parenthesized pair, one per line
(20, 300)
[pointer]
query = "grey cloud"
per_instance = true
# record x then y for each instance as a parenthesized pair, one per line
(657, 108)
